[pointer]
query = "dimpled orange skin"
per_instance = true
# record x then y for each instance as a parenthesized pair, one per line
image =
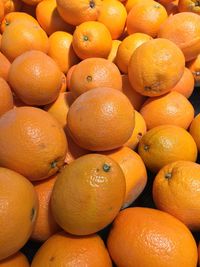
(165, 144)
(151, 72)
(101, 119)
(156, 238)
(88, 194)
(19, 206)
(31, 142)
(176, 191)
(16, 260)
(5, 96)
(74, 251)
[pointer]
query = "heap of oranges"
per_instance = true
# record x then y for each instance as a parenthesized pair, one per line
(94, 110)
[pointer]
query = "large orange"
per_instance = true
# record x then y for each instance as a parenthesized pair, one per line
(113, 14)
(171, 108)
(45, 225)
(5, 96)
(146, 17)
(22, 36)
(101, 119)
(49, 18)
(32, 142)
(177, 28)
(92, 39)
(176, 191)
(134, 172)
(92, 73)
(195, 130)
(165, 144)
(88, 194)
(39, 78)
(18, 211)
(4, 66)
(87, 251)
(16, 260)
(156, 239)
(151, 72)
(61, 50)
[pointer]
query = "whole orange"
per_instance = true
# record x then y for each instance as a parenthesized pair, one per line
(17, 260)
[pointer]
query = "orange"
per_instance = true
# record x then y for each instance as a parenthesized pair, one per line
(32, 143)
(113, 14)
(19, 204)
(175, 191)
(1, 11)
(194, 67)
(45, 225)
(17, 260)
(195, 130)
(127, 47)
(88, 194)
(60, 108)
(151, 72)
(16, 16)
(135, 98)
(75, 12)
(185, 85)
(172, 108)
(4, 66)
(165, 144)
(113, 52)
(177, 28)
(101, 119)
(189, 5)
(23, 36)
(157, 239)
(130, 3)
(11, 5)
(5, 96)
(61, 50)
(134, 172)
(94, 72)
(39, 78)
(139, 130)
(92, 39)
(49, 18)
(87, 251)
(146, 17)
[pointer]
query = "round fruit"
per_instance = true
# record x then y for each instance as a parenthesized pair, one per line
(16, 260)
(5, 96)
(31, 142)
(18, 211)
(101, 119)
(4, 66)
(88, 194)
(157, 239)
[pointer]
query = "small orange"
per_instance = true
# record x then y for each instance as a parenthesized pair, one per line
(151, 72)
(185, 85)
(146, 17)
(87, 251)
(113, 14)
(189, 6)
(101, 119)
(23, 36)
(165, 144)
(88, 194)
(92, 39)
(139, 130)
(195, 130)
(113, 52)
(171, 108)
(176, 191)
(177, 28)
(94, 72)
(156, 238)
(127, 47)
(4, 66)
(5, 96)
(194, 67)
(61, 50)
(134, 172)
(49, 18)
(19, 202)
(16, 260)
(135, 98)
(45, 225)
(11, 5)
(39, 78)
(75, 12)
